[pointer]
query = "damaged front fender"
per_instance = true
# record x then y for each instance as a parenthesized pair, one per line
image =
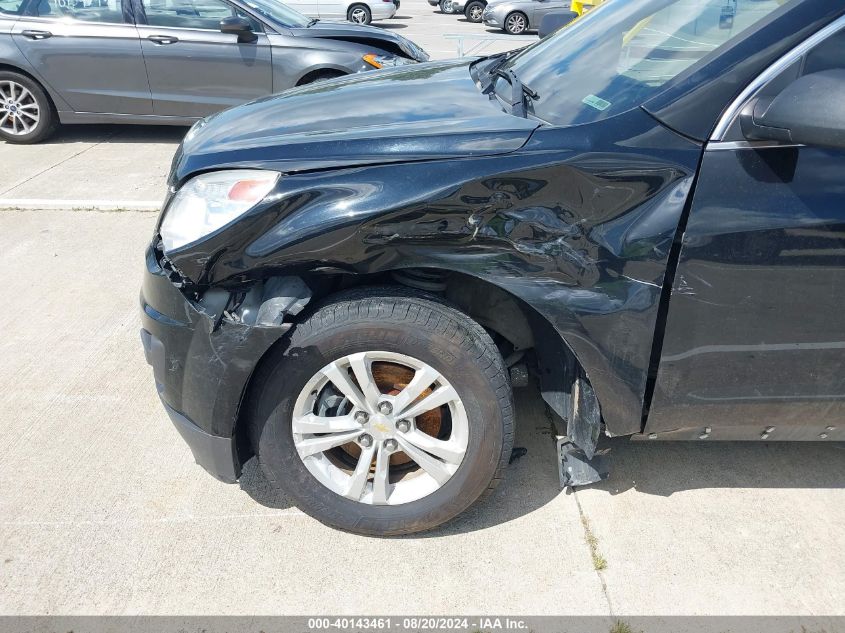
(204, 350)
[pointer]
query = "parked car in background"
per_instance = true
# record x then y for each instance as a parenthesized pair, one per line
(358, 11)
(445, 6)
(167, 61)
(644, 210)
(472, 9)
(519, 16)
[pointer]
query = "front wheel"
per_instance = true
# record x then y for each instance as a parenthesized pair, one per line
(359, 14)
(387, 413)
(474, 10)
(26, 113)
(516, 23)
(446, 7)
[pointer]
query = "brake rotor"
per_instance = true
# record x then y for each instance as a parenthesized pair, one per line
(392, 378)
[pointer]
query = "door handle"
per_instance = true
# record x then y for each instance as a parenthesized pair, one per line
(163, 39)
(36, 35)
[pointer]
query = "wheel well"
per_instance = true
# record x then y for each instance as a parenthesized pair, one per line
(21, 71)
(324, 73)
(521, 333)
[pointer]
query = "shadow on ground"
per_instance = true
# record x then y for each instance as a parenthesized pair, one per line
(663, 468)
(656, 468)
(117, 134)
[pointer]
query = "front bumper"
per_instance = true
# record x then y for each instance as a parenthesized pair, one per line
(201, 364)
(382, 10)
(491, 19)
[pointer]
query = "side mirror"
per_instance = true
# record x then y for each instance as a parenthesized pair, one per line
(809, 111)
(236, 25)
(554, 20)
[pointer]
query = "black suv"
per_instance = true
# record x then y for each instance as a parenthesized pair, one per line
(644, 210)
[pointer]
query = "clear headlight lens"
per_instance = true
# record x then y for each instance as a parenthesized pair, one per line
(210, 201)
(385, 61)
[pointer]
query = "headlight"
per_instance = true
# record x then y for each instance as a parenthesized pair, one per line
(384, 61)
(210, 201)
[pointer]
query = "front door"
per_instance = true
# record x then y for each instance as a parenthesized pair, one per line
(755, 335)
(194, 69)
(89, 53)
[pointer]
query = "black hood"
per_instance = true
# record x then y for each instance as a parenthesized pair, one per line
(417, 112)
(366, 35)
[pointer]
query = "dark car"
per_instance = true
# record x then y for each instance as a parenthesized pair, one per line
(167, 61)
(644, 210)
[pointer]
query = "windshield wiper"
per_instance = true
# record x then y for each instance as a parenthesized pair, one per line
(312, 23)
(520, 93)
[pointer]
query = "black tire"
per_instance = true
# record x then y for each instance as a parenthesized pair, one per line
(359, 14)
(322, 75)
(516, 17)
(474, 10)
(446, 7)
(48, 120)
(389, 320)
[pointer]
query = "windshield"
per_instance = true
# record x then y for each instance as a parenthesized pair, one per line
(623, 52)
(279, 12)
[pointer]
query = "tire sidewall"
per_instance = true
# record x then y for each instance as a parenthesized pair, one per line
(507, 30)
(304, 358)
(469, 8)
(47, 122)
(366, 11)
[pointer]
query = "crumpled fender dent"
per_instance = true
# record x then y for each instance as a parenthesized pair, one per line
(577, 224)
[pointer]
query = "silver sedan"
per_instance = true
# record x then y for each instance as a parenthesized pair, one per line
(518, 16)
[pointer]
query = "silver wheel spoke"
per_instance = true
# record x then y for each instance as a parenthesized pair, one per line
(358, 480)
(429, 464)
(320, 444)
(312, 423)
(380, 483)
(447, 451)
(340, 378)
(362, 368)
(421, 381)
(3, 120)
(343, 403)
(437, 398)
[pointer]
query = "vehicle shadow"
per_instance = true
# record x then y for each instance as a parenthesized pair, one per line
(392, 27)
(254, 482)
(117, 134)
(654, 468)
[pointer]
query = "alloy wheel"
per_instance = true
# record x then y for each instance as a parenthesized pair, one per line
(19, 111)
(359, 16)
(516, 23)
(380, 428)
(475, 13)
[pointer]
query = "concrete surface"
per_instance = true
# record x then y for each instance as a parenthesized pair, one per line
(86, 165)
(102, 510)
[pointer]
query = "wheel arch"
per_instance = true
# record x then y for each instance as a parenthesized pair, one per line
(7, 67)
(329, 69)
(507, 316)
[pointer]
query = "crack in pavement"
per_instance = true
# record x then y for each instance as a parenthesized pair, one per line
(585, 523)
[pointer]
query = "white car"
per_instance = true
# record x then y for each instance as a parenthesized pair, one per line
(358, 11)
